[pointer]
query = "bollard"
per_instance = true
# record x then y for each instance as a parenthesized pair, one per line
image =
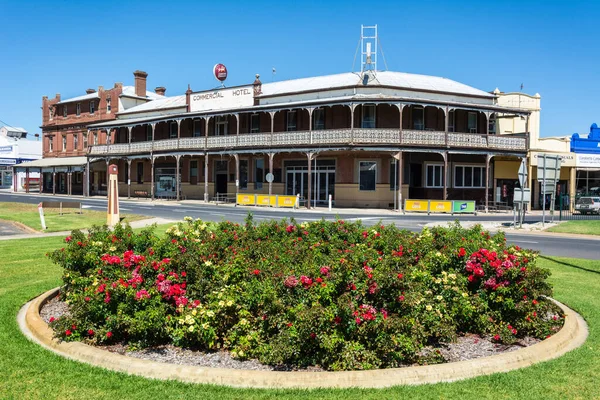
(42, 220)
(329, 202)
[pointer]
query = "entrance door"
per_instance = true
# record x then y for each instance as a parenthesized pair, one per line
(221, 170)
(323, 180)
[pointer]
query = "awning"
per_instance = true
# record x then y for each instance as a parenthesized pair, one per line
(48, 164)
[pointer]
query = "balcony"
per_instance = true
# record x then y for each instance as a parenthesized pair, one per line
(321, 138)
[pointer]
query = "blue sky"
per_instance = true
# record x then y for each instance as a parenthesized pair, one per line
(66, 47)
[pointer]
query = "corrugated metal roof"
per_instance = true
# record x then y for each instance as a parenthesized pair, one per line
(80, 98)
(127, 91)
(54, 162)
(14, 129)
(157, 105)
(383, 78)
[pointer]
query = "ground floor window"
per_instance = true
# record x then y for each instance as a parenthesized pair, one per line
(434, 175)
(140, 172)
(259, 171)
(469, 176)
(193, 172)
(367, 177)
(243, 174)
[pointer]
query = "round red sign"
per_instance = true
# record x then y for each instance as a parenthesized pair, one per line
(220, 72)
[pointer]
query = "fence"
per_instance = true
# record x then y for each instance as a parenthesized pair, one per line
(578, 208)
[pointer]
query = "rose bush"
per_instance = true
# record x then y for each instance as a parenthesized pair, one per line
(334, 294)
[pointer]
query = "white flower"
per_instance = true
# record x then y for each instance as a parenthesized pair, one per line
(188, 219)
(208, 263)
(112, 248)
(191, 328)
(438, 297)
(428, 307)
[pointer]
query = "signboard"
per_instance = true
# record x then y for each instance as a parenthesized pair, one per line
(270, 177)
(463, 207)
(7, 161)
(441, 206)
(286, 201)
(567, 159)
(6, 149)
(246, 199)
(265, 200)
(551, 164)
(587, 160)
(522, 173)
(220, 72)
(416, 205)
(522, 196)
(237, 97)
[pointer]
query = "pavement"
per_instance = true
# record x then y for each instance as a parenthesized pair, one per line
(551, 244)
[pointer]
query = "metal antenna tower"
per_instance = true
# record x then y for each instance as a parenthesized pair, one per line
(368, 48)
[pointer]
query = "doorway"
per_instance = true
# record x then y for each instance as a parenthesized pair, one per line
(323, 180)
(221, 172)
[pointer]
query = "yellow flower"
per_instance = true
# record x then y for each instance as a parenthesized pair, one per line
(438, 297)
(465, 294)
(428, 307)
(194, 312)
(112, 248)
(208, 263)
(191, 328)
(229, 303)
(221, 303)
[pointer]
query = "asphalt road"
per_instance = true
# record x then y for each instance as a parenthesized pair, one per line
(547, 245)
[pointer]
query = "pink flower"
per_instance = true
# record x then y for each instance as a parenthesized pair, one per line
(325, 271)
(289, 228)
(90, 332)
(68, 332)
(52, 319)
(290, 281)
(306, 281)
(497, 338)
(68, 239)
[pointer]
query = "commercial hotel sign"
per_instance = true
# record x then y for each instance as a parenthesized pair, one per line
(220, 99)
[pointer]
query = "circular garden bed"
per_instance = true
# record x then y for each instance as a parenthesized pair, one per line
(324, 295)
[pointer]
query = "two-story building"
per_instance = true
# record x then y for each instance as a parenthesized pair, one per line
(368, 139)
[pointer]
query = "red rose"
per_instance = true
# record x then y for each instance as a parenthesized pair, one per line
(68, 239)
(497, 338)
(109, 334)
(52, 319)
(462, 252)
(68, 332)
(91, 332)
(256, 272)
(400, 276)
(401, 298)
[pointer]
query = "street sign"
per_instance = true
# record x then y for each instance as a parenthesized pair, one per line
(551, 164)
(270, 177)
(523, 173)
(522, 196)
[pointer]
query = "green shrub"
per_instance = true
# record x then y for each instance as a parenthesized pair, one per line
(334, 294)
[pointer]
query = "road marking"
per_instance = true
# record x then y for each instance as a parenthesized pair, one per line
(523, 241)
(145, 208)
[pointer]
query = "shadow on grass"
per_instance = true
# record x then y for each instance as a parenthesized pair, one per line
(566, 264)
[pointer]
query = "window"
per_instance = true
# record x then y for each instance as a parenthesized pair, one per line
(367, 177)
(194, 172)
(221, 124)
(259, 172)
(254, 123)
(472, 122)
(78, 112)
(197, 127)
(148, 133)
(95, 138)
(492, 124)
(319, 119)
(140, 172)
(76, 141)
(418, 116)
(50, 144)
(85, 141)
(394, 175)
(92, 106)
(434, 174)
(291, 121)
(243, 174)
(108, 106)
(173, 130)
(65, 111)
(64, 143)
(451, 121)
(468, 176)
(368, 116)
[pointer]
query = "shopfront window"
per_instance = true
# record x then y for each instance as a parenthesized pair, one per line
(259, 171)
(434, 176)
(243, 174)
(367, 178)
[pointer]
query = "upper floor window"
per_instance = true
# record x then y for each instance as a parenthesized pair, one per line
(50, 144)
(108, 106)
(368, 116)
(418, 117)
(64, 111)
(173, 130)
(472, 122)
(221, 123)
(78, 112)
(254, 123)
(451, 121)
(492, 124)
(76, 141)
(291, 121)
(95, 138)
(197, 128)
(85, 141)
(92, 106)
(148, 133)
(319, 119)
(64, 143)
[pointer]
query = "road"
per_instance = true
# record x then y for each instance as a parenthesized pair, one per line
(547, 245)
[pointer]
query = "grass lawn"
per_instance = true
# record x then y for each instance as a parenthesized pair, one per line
(28, 215)
(584, 227)
(29, 372)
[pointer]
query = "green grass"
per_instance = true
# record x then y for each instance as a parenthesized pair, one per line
(584, 227)
(28, 215)
(28, 371)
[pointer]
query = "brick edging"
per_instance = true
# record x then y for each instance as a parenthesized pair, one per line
(571, 336)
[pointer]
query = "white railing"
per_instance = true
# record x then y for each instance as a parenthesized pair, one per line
(431, 138)
(322, 137)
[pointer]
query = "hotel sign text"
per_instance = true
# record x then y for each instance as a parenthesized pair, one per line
(221, 99)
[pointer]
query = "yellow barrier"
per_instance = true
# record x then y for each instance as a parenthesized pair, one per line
(286, 201)
(265, 200)
(416, 205)
(440, 206)
(246, 199)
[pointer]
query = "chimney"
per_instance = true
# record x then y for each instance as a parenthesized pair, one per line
(140, 83)
(90, 91)
(257, 89)
(188, 93)
(160, 90)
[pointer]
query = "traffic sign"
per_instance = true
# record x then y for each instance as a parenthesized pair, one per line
(523, 173)
(270, 177)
